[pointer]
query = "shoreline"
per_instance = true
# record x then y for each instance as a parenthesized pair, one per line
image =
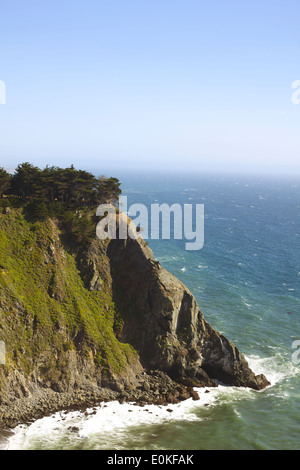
(156, 389)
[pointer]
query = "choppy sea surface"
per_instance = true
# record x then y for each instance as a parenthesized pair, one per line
(246, 279)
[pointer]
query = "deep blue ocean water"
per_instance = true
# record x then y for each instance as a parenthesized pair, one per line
(246, 279)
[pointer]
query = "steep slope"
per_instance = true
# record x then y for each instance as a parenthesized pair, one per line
(93, 320)
(164, 324)
(58, 334)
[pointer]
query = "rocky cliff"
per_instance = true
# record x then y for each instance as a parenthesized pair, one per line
(101, 320)
(163, 322)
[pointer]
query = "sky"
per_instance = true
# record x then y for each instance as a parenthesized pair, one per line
(185, 85)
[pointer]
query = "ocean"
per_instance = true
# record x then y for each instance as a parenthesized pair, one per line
(246, 280)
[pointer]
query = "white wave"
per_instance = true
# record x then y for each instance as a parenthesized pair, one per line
(276, 368)
(4, 439)
(110, 423)
(118, 418)
(245, 302)
(43, 432)
(109, 419)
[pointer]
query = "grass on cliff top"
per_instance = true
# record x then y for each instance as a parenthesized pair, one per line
(44, 305)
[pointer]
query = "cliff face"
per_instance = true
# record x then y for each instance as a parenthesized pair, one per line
(165, 325)
(98, 317)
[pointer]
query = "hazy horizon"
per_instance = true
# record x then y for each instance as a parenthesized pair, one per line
(149, 173)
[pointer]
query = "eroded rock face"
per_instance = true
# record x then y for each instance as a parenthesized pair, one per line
(163, 322)
(53, 354)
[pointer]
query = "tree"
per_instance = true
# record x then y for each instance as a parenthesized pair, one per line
(86, 184)
(108, 190)
(48, 183)
(26, 179)
(67, 186)
(5, 180)
(38, 210)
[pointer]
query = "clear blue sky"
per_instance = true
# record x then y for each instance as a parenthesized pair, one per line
(195, 85)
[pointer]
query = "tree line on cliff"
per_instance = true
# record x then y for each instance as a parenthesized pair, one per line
(66, 185)
(67, 194)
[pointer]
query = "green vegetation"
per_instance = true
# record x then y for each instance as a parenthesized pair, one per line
(46, 311)
(68, 195)
(5, 181)
(69, 186)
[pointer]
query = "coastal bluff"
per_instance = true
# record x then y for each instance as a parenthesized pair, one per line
(99, 320)
(163, 322)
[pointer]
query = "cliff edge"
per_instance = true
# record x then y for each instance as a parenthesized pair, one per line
(164, 324)
(99, 320)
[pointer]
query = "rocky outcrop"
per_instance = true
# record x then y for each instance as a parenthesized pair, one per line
(163, 322)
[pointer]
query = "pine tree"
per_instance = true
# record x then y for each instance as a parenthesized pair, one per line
(5, 181)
